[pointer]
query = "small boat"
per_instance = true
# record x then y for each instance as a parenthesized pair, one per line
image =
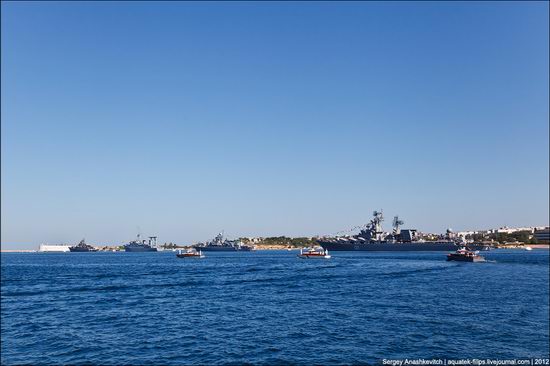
(465, 255)
(528, 248)
(314, 253)
(190, 253)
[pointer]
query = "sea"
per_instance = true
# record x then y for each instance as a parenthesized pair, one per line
(271, 307)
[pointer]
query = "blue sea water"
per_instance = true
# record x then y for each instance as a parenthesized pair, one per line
(270, 307)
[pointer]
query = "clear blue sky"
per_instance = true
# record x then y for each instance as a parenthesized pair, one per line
(275, 118)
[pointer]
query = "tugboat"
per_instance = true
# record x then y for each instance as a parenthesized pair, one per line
(190, 253)
(139, 245)
(314, 253)
(83, 247)
(465, 255)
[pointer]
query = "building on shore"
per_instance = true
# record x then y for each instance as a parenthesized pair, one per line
(501, 230)
(542, 235)
(253, 240)
(510, 230)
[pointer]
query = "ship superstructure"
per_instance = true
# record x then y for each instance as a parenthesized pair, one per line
(372, 237)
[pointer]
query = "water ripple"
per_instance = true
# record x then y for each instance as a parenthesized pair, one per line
(270, 308)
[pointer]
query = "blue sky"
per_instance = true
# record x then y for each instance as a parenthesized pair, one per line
(279, 118)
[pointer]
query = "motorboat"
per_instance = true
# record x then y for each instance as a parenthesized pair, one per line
(314, 253)
(465, 255)
(190, 253)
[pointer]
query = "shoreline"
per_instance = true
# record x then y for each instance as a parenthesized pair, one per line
(269, 247)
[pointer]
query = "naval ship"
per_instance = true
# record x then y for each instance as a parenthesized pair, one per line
(373, 238)
(83, 247)
(219, 244)
(140, 245)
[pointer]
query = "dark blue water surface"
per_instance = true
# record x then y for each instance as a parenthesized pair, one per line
(270, 307)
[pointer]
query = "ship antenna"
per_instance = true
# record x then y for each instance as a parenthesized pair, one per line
(396, 224)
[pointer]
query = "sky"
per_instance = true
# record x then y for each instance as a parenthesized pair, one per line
(182, 119)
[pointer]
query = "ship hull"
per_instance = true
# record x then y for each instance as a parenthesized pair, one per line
(82, 250)
(394, 247)
(214, 248)
(459, 258)
(245, 250)
(189, 256)
(140, 249)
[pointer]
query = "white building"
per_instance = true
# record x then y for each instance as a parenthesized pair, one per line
(510, 230)
(255, 240)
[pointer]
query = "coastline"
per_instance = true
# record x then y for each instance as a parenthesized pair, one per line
(539, 246)
(261, 247)
(18, 251)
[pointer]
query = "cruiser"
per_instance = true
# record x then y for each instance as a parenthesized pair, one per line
(83, 247)
(140, 245)
(373, 238)
(219, 244)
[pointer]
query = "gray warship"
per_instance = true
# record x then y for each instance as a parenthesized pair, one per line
(140, 245)
(219, 244)
(373, 238)
(82, 247)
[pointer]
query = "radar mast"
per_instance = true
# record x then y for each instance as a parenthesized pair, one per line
(396, 224)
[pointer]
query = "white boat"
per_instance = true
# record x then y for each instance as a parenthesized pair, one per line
(190, 253)
(54, 248)
(314, 253)
(528, 248)
(465, 255)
